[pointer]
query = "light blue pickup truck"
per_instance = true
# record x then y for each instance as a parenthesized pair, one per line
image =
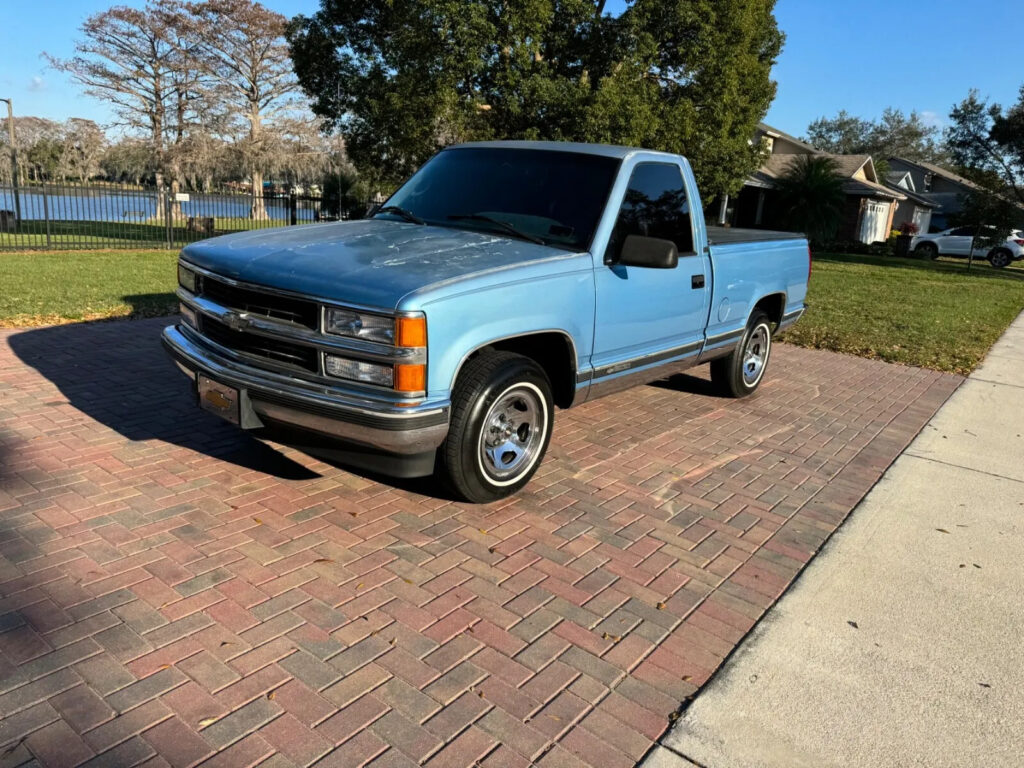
(502, 281)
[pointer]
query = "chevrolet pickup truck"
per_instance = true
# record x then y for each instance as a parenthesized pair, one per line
(503, 280)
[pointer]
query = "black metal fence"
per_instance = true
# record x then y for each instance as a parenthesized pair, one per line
(55, 216)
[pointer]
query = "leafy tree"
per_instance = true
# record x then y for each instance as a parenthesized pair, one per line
(844, 134)
(344, 195)
(986, 144)
(403, 78)
(811, 197)
(894, 135)
(43, 158)
(126, 160)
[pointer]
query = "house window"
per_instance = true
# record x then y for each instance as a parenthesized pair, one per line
(927, 183)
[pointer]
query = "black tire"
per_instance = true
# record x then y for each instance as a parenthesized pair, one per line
(1000, 258)
(464, 463)
(927, 251)
(731, 375)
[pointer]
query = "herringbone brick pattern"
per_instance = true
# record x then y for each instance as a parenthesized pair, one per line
(174, 593)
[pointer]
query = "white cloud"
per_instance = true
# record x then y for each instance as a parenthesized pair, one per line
(37, 84)
(932, 119)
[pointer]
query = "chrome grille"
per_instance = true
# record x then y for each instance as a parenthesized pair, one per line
(276, 350)
(255, 302)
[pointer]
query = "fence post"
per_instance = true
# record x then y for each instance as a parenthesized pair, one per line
(46, 216)
(293, 214)
(168, 209)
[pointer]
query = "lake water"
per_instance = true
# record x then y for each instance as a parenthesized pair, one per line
(138, 205)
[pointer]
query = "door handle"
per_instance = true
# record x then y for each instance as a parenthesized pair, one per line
(697, 281)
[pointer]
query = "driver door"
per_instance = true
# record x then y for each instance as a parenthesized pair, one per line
(645, 316)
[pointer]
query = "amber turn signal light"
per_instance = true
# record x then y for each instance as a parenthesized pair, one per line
(411, 378)
(411, 332)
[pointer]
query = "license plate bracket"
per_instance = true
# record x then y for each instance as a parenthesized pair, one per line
(220, 399)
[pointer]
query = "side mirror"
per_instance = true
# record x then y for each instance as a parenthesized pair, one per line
(650, 252)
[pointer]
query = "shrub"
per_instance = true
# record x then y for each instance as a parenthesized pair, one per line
(811, 197)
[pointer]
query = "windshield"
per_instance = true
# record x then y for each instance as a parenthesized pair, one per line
(550, 196)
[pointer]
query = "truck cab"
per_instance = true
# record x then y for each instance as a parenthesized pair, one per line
(503, 281)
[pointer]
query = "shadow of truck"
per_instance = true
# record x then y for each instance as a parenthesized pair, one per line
(118, 374)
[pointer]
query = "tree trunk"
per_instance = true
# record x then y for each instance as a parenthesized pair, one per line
(176, 213)
(258, 211)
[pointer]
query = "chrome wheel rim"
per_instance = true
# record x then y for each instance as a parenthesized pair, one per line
(513, 433)
(755, 356)
(1000, 260)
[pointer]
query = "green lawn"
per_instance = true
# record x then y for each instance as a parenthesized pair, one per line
(69, 235)
(933, 314)
(43, 288)
(930, 314)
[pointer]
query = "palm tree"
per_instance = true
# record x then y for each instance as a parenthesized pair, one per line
(811, 197)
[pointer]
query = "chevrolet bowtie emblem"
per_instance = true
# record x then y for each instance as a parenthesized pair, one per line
(237, 321)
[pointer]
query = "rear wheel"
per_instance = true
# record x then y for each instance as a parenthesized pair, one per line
(928, 251)
(502, 416)
(739, 374)
(1000, 258)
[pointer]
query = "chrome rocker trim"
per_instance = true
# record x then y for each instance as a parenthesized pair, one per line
(790, 317)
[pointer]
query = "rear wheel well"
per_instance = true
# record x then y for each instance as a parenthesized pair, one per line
(552, 351)
(774, 306)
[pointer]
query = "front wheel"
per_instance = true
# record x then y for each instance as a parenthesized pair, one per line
(928, 250)
(502, 417)
(740, 373)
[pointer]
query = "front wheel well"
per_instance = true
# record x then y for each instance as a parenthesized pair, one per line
(551, 350)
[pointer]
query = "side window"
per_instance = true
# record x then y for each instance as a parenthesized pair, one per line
(655, 205)
(963, 232)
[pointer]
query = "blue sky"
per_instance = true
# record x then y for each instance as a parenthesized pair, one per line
(862, 57)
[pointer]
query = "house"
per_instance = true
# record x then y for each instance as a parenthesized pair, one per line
(939, 187)
(871, 205)
(936, 185)
(918, 210)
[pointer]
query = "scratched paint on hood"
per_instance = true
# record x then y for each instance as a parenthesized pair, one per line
(372, 262)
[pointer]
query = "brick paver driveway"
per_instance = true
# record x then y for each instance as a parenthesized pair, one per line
(172, 592)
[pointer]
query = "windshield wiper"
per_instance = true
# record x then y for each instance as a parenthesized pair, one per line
(407, 215)
(498, 223)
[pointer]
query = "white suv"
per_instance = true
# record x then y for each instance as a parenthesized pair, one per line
(957, 242)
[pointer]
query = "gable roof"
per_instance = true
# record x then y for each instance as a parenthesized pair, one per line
(777, 166)
(776, 133)
(901, 179)
(938, 171)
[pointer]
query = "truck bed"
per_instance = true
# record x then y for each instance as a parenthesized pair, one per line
(731, 235)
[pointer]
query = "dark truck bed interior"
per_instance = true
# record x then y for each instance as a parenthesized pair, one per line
(730, 235)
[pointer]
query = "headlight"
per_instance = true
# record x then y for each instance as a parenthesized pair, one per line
(370, 373)
(396, 331)
(360, 325)
(186, 278)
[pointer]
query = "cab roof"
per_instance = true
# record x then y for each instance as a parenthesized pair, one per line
(604, 150)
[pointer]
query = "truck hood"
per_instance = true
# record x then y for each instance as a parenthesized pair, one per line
(371, 262)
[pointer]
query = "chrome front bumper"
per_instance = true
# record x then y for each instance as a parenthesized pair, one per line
(305, 405)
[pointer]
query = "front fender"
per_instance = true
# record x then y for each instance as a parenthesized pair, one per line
(462, 321)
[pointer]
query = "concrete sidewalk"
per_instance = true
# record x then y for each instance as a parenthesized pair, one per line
(903, 642)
